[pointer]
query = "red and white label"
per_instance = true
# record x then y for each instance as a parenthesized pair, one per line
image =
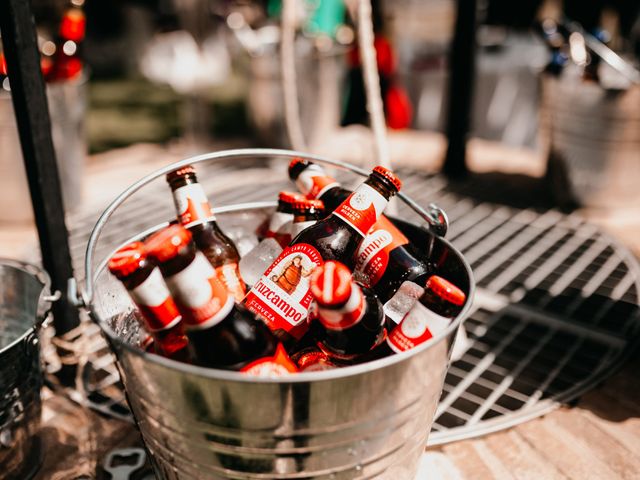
(277, 221)
(282, 297)
(229, 275)
(372, 258)
(192, 204)
(346, 316)
(314, 182)
(362, 208)
(200, 296)
(418, 326)
(267, 367)
(154, 301)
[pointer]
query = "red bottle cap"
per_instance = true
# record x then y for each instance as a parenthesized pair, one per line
(73, 25)
(167, 243)
(297, 161)
(181, 172)
(389, 175)
(127, 259)
(446, 290)
(331, 284)
(307, 204)
(290, 197)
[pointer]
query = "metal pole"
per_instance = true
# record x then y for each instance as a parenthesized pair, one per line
(34, 127)
(460, 94)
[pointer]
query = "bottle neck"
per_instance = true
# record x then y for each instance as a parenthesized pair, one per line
(314, 182)
(364, 206)
(200, 296)
(344, 316)
(191, 202)
(155, 303)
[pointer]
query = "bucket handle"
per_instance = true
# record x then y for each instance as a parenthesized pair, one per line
(434, 216)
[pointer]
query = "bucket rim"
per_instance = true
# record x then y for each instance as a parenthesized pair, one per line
(43, 278)
(301, 377)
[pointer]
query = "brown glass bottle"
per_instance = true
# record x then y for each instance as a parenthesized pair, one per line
(281, 297)
(221, 333)
(195, 214)
(438, 305)
(385, 258)
(305, 213)
(351, 315)
(281, 220)
(160, 316)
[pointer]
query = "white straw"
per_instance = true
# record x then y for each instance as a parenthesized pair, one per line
(372, 82)
(288, 69)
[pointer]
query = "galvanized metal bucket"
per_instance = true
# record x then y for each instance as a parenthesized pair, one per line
(365, 421)
(23, 302)
(592, 139)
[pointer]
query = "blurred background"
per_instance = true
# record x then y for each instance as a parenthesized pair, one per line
(549, 87)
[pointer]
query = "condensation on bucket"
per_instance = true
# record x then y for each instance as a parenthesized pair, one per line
(369, 421)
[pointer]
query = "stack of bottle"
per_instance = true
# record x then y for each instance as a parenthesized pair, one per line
(331, 283)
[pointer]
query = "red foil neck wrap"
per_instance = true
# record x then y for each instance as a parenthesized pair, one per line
(446, 290)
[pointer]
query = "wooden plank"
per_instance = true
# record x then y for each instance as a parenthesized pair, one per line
(520, 457)
(566, 451)
(603, 446)
(476, 461)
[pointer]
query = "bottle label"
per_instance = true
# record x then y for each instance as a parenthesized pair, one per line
(418, 326)
(362, 208)
(155, 303)
(278, 220)
(192, 204)
(282, 297)
(229, 275)
(277, 365)
(199, 294)
(314, 182)
(347, 316)
(372, 258)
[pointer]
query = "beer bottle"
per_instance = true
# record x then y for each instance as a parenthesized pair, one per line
(439, 304)
(305, 214)
(144, 282)
(281, 297)
(351, 315)
(312, 359)
(194, 213)
(281, 220)
(221, 333)
(385, 258)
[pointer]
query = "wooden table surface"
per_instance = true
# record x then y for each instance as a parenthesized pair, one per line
(598, 437)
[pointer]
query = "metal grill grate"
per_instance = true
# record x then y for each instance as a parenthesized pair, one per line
(556, 309)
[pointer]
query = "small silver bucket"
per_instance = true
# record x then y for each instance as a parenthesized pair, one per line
(592, 139)
(23, 290)
(365, 421)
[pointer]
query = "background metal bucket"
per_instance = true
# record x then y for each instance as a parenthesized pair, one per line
(22, 303)
(67, 107)
(366, 421)
(592, 138)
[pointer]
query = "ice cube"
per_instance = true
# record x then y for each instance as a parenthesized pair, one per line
(256, 261)
(403, 301)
